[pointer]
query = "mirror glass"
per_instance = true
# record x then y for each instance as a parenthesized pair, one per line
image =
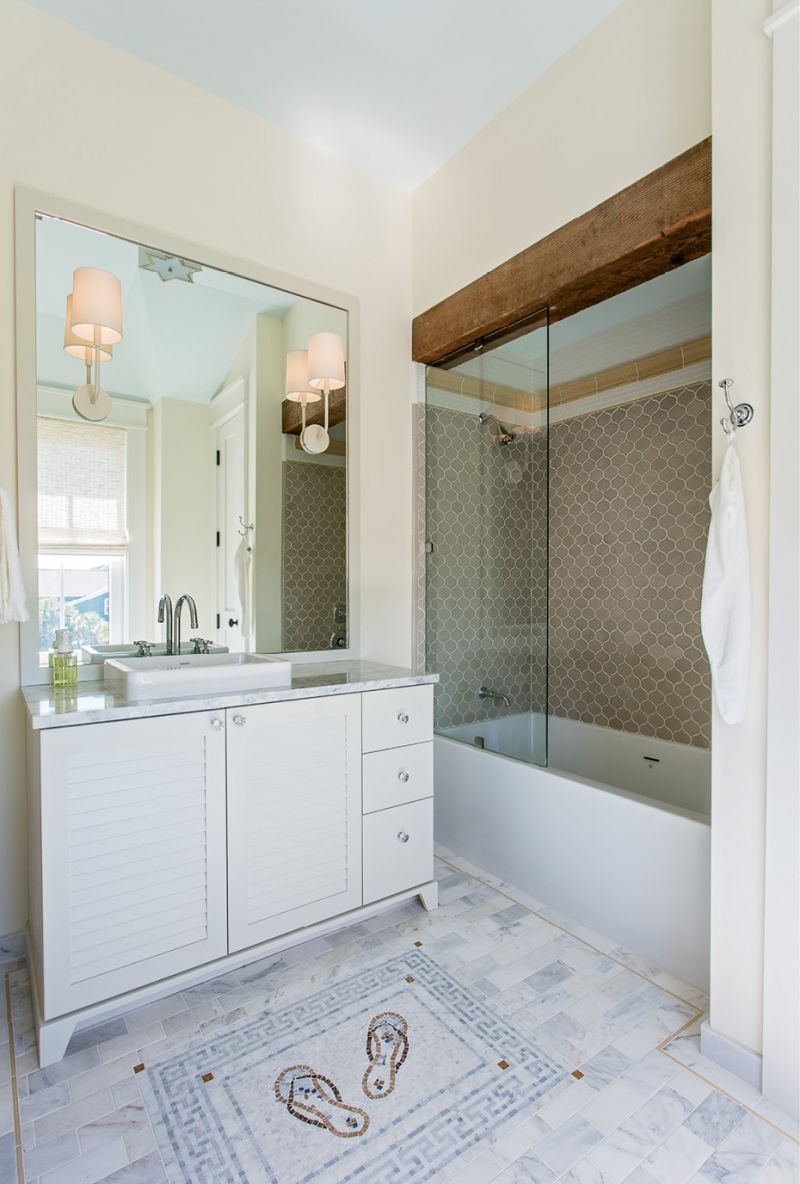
(176, 464)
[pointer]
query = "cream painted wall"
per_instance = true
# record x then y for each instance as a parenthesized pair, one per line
(781, 1076)
(741, 122)
(627, 98)
(170, 156)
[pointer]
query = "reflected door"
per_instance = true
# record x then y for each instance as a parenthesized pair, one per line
(486, 431)
(233, 562)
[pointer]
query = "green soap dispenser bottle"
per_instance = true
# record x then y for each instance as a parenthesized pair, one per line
(63, 661)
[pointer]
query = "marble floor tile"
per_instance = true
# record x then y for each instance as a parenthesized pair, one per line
(783, 1167)
(91, 1168)
(8, 1157)
(73, 1115)
(6, 1109)
(636, 1114)
(605, 1067)
(97, 1034)
(678, 1158)
(746, 1150)
(528, 1169)
(660, 1114)
(149, 1169)
(44, 1157)
(715, 1118)
(571, 1141)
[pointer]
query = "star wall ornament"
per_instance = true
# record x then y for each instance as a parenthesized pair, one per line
(167, 267)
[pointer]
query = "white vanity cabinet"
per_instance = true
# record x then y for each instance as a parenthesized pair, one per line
(294, 815)
(167, 849)
(131, 842)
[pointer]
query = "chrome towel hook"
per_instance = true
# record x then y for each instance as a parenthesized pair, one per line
(740, 413)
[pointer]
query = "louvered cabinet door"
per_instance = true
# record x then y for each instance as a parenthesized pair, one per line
(294, 815)
(133, 854)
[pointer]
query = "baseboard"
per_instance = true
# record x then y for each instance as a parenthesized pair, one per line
(732, 1055)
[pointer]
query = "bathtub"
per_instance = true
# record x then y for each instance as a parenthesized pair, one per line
(615, 832)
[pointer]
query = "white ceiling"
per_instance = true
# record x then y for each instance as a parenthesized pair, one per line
(394, 86)
(180, 339)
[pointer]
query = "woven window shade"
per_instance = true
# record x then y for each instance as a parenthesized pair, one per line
(81, 484)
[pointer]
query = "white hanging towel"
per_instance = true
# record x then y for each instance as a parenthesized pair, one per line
(244, 579)
(12, 592)
(725, 610)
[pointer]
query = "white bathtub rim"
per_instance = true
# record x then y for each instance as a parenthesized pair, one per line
(640, 799)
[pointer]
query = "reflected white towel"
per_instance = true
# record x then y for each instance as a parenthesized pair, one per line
(244, 581)
(725, 611)
(12, 592)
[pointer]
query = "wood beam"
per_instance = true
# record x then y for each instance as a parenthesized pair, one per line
(315, 413)
(660, 222)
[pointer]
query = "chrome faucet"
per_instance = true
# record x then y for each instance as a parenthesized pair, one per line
(165, 618)
(485, 693)
(176, 632)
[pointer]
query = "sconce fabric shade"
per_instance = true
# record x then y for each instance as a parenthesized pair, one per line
(297, 388)
(326, 361)
(76, 347)
(96, 306)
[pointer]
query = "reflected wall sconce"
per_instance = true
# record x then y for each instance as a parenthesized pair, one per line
(93, 324)
(326, 374)
(326, 364)
(298, 389)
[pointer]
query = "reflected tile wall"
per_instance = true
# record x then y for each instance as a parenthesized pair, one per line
(314, 552)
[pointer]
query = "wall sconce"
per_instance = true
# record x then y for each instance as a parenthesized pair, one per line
(94, 321)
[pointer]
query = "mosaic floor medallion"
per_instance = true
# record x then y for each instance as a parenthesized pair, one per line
(290, 1096)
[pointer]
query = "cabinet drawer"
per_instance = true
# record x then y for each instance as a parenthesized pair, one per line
(398, 849)
(397, 775)
(402, 716)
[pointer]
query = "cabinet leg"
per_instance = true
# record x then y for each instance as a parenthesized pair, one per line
(54, 1036)
(429, 896)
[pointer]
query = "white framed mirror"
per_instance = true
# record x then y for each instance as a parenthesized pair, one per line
(166, 450)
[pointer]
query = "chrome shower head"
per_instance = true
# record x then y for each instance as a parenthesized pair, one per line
(504, 434)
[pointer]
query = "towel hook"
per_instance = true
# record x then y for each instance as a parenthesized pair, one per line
(246, 527)
(740, 413)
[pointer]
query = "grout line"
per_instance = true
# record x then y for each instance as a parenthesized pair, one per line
(662, 1046)
(12, 1056)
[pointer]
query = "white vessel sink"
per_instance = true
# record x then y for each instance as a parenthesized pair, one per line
(166, 677)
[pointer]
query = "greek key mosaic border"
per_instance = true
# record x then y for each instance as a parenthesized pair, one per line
(205, 1152)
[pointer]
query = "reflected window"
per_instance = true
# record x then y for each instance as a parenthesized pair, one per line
(83, 533)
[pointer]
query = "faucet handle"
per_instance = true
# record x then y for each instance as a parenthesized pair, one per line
(145, 649)
(201, 644)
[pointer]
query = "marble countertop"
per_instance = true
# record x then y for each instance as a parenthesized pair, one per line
(93, 702)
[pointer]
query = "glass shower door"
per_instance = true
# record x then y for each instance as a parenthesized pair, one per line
(486, 484)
